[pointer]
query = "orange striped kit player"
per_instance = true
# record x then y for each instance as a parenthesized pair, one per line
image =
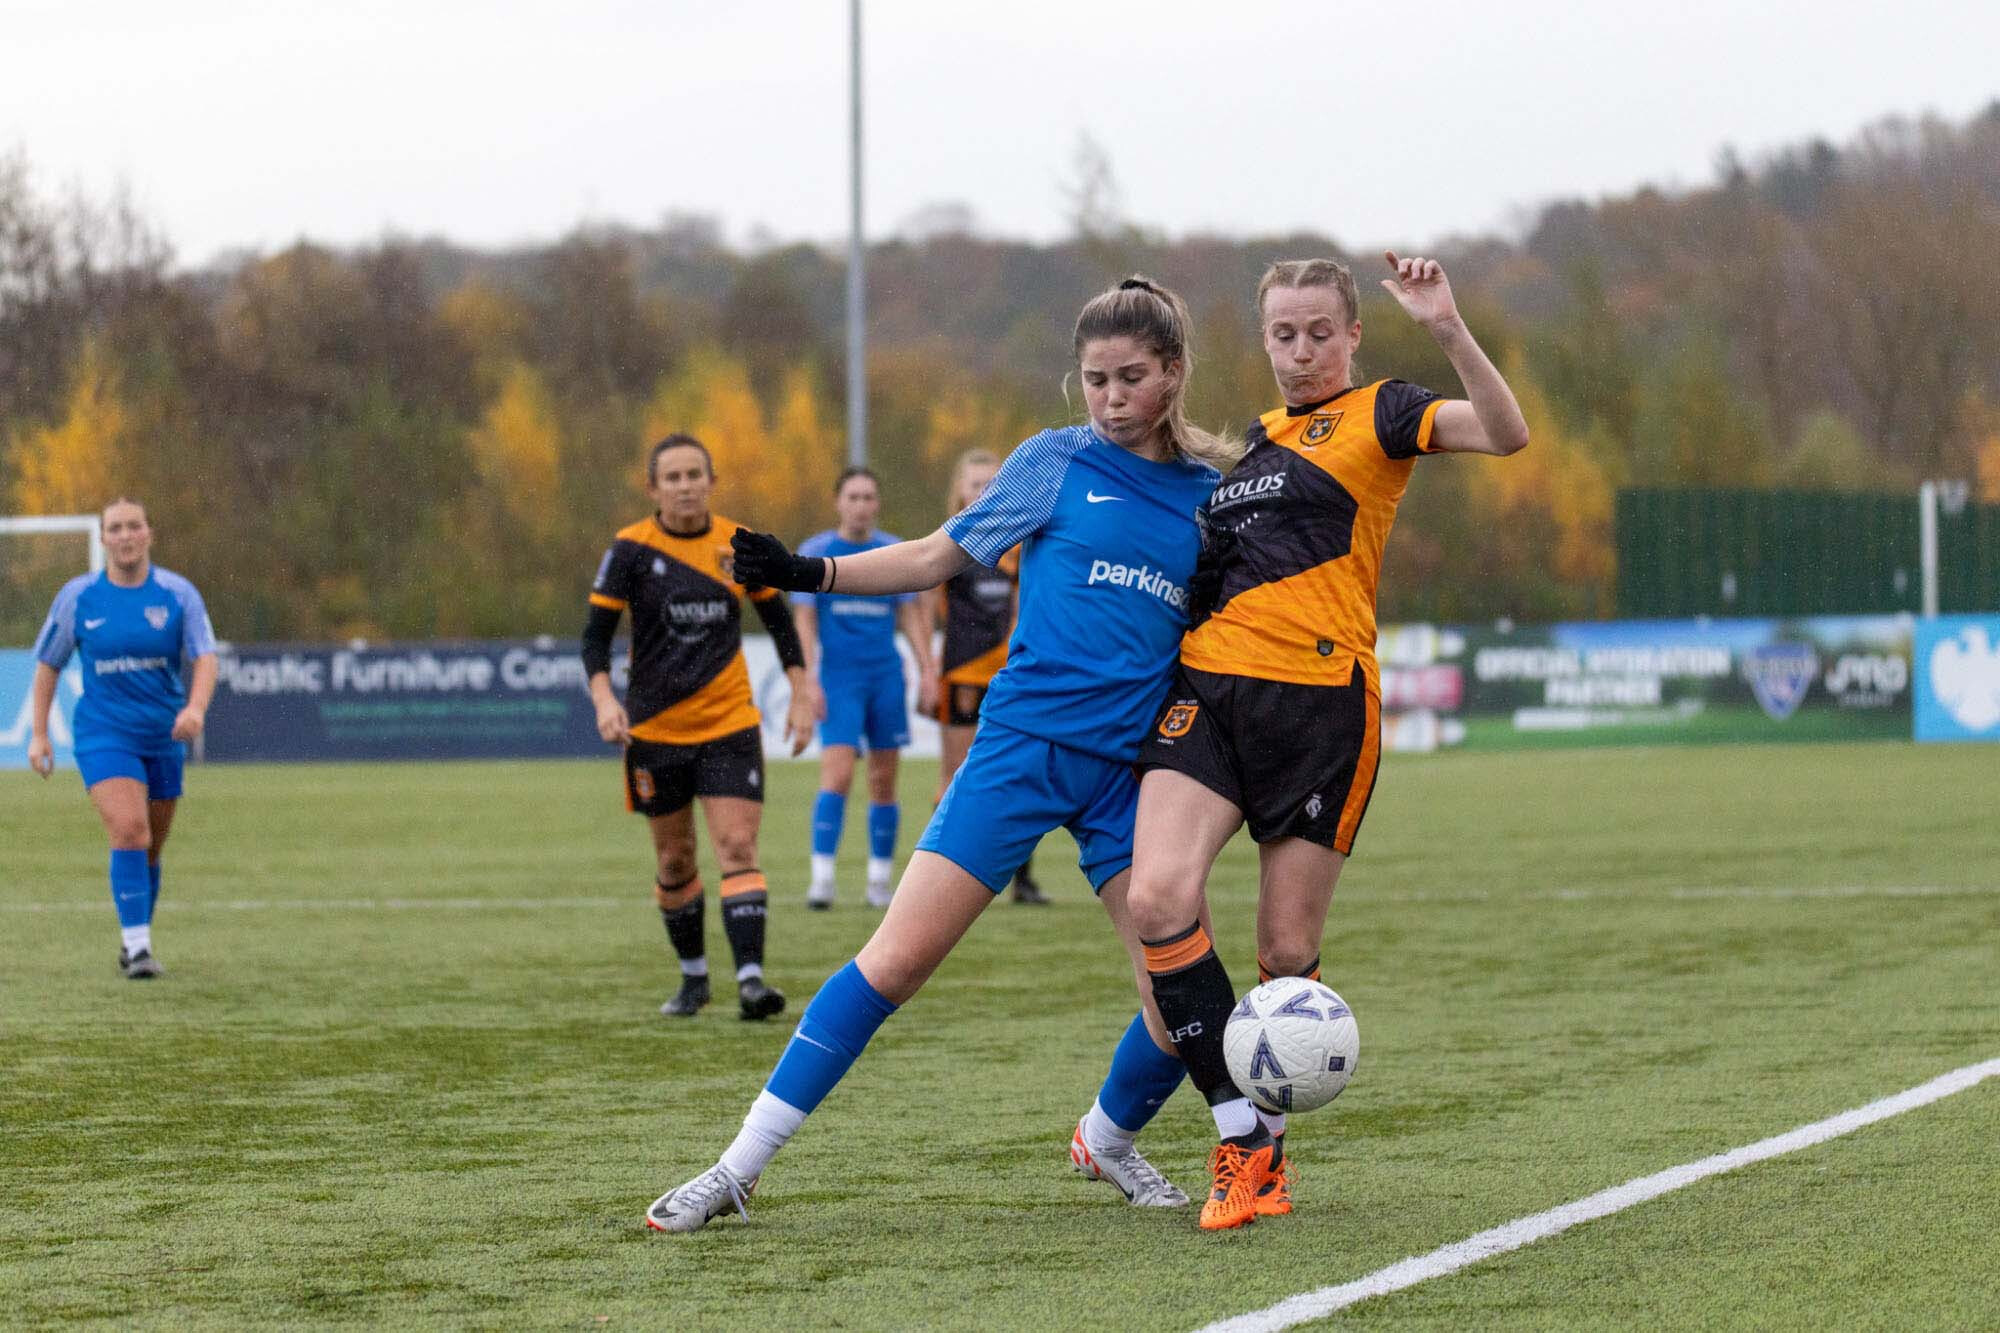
(976, 608)
(697, 732)
(1273, 718)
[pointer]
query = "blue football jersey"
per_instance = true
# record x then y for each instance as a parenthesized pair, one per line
(133, 644)
(1108, 540)
(857, 635)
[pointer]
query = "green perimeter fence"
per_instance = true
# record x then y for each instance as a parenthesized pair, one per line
(1712, 552)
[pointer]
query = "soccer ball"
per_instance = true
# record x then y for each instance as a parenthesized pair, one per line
(1291, 1045)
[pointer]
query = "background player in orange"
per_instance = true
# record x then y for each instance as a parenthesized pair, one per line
(1274, 715)
(976, 609)
(698, 733)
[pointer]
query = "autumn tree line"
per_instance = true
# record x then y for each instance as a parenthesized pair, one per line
(413, 439)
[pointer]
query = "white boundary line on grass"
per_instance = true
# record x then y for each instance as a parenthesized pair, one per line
(1670, 894)
(1539, 1226)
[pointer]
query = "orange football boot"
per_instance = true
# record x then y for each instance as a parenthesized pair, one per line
(1240, 1171)
(1275, 1199)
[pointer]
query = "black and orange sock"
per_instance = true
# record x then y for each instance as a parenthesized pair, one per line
(1192, 989)
(743, 916)
(1310, 971)
(685, 915)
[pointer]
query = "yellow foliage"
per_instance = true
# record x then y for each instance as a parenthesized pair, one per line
(1988, 461)
(73, 467)
(516, 449)
(1562, 480)
(765, 472)
(812, 447)
(489, 321)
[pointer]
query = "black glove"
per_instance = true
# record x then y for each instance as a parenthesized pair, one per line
(763, 562)
(1218, 552)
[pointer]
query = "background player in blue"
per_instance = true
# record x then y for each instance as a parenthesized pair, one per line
(1106, 516)
(136, 628)
(850, 641)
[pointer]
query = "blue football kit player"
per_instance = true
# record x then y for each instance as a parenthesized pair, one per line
(135, 629)
(1105, 516)
(850, 641)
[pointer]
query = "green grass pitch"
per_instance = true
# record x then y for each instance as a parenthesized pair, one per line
(406, 1068)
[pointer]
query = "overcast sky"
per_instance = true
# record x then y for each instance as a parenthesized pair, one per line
(251, 124)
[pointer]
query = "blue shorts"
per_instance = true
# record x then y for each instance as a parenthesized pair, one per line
(870, 705)
(1013, 788)
(160, 770)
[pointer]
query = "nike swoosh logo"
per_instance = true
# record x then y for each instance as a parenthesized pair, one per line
(800, 1036)
(1097, 499)
(93, 624)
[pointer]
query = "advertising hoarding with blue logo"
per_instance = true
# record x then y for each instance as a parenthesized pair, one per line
(1958, 679)
(17, 681)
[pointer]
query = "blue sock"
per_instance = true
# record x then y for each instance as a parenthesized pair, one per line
(131, 890)
(829, 813)
(1142, 1077)
(836, 1025)
(882, 830)
(153, 901)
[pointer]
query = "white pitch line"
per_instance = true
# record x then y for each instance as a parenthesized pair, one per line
(1586, 895)
(346, 904)
(1540, 1226)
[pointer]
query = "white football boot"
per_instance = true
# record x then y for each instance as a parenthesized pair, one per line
(1136, 1178)
(692, 1206)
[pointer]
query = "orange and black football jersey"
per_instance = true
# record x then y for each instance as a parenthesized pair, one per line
(1311, 504)
(689, 682)
(978, 618)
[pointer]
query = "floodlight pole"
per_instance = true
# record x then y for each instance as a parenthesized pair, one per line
(857, 258)
(1927, 543)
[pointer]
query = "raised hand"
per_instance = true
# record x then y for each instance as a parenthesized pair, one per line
(762, 561)
(1421, 288)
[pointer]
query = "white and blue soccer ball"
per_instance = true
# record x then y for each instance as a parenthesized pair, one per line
(1291, 1045)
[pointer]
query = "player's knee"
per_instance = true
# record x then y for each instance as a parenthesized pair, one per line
(1287, 959)
(129, 833)
(676, 864)
(736, 852)
(1161, 903)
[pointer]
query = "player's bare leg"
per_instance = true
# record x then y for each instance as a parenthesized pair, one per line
(1295, 884)
(678, 893)
(732, 827)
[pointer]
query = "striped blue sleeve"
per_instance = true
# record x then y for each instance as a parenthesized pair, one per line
(813, 545)
(57, 640)
(197, 635)
(1020, 499)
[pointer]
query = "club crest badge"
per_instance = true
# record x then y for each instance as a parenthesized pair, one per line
(1179, 720)
(1780, 674)
(725, 560)
(1320, 429)
(156, 616)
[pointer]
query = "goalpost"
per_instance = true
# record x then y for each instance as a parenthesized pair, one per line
(55, 524)
(35, 576)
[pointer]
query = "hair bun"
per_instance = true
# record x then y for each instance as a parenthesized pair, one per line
(1140, 283)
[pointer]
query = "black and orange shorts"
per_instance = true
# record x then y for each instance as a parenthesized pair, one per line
(662, 779)
(1298, 760)
(959, 702)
